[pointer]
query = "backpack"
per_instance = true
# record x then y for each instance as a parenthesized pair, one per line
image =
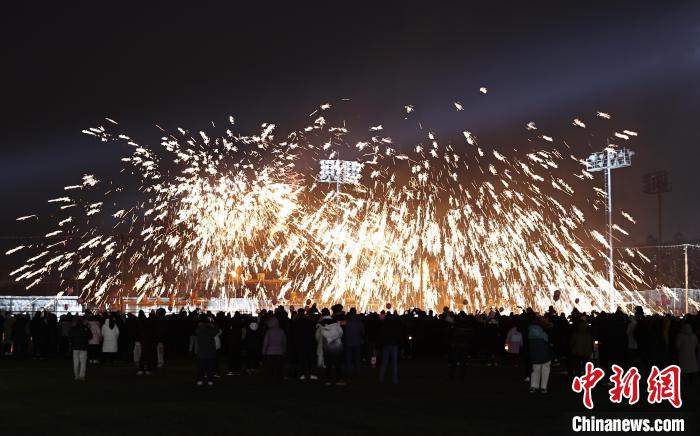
(335, 345)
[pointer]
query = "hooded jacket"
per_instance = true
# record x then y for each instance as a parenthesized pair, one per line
(328, 331)
(538, 342)
(110, 336)
(275, 341)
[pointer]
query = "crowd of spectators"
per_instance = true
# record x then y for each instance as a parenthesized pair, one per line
(338, 346)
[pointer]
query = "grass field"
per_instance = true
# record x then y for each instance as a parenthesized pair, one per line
(40, 397)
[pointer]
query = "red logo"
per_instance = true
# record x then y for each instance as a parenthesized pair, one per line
(662, 385)
(665, 385)
(626, 385)
(587, 382)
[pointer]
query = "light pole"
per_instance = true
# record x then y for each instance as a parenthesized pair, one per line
(340, 172)
(608, 160)
(685, 258)
(657, 183)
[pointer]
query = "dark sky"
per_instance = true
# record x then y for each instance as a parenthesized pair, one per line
(67, 66)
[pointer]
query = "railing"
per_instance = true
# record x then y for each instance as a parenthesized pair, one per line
(31, 304)
(666, 300)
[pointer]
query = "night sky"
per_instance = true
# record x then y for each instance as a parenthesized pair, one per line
(69, 66)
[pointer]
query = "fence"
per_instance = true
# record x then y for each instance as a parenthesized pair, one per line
(243, 305)
(31, 304)
(665, 300)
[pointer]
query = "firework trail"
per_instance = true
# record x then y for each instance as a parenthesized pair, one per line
(432, 223)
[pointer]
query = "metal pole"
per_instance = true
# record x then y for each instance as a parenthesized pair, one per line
(685, 253)
(660, 227)
(611, 270)
(337, 192)
(338, 175)
(420, 270)
(421, 291)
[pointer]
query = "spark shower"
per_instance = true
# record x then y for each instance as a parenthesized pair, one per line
(442, 219)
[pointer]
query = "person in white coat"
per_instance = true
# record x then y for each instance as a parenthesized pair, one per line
(329, 349)
(110, 338)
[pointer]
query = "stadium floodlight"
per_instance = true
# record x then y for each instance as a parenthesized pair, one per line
(657, 183)
(340, 172)
(608, 160)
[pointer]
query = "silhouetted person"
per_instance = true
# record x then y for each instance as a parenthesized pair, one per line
(94, 346)
(253, 345)
(206, 350)
(110, 339)
(391, 335)
(80, 335)
(329, 337)
(458, 335)
(39, 332)
(581, 346)
(235, 344)
(541, 356)
(147, 340)
(687, 347)
(304, 345)
(273, 349)
(354, 337)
